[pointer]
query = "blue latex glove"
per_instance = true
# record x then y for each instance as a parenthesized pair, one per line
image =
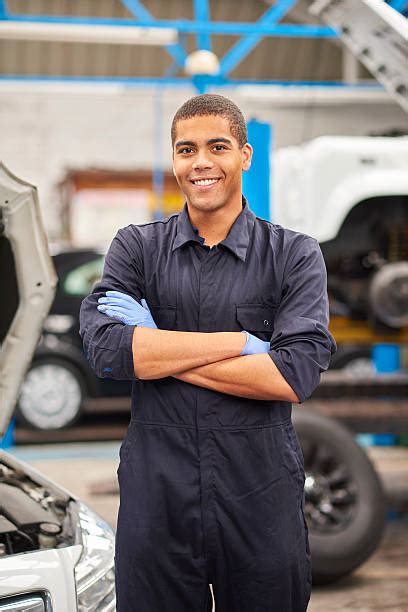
(125, 309)
(254, 345)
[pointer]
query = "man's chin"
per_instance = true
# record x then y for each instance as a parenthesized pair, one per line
(206, 202)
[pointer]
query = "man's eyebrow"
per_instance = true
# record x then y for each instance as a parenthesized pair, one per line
(190, 143)
(220, 139)
(184, 143)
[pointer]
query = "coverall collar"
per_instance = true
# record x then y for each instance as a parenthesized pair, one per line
(237, 239)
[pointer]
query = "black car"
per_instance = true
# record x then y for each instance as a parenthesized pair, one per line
(59, 378)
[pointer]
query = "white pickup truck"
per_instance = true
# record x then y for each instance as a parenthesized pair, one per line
(351, 194)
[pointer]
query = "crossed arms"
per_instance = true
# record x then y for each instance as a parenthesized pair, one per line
(210, 360)
(300, 346)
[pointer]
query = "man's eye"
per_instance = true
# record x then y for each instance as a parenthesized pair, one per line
(220, 147)
(185, 150)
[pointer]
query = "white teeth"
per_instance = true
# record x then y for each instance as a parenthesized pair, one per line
(205, 182)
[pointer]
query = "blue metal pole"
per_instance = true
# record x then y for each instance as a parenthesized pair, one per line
(256, 182)
(3, 9)
(158, 174)
(202, 13)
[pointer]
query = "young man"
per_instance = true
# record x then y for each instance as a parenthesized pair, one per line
(211, 474)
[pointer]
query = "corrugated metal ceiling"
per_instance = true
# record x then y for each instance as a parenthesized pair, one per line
(273, 58)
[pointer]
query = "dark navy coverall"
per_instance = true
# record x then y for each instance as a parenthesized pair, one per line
(211, 484)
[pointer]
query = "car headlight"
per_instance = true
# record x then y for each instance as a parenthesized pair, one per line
(94, 572)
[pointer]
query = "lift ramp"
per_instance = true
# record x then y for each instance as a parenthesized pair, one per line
(376, 34)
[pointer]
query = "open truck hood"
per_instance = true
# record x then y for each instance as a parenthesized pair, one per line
(27, 285)
(376, 34)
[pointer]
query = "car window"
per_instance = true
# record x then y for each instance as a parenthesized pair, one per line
(79, 282)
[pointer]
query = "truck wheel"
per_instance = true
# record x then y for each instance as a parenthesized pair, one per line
(344, 500)
(51, 395)
(388, 294)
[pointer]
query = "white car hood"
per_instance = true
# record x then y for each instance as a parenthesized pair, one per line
(21, 229)
(51, 571)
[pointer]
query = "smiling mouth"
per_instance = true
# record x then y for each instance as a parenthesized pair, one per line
(205, 182)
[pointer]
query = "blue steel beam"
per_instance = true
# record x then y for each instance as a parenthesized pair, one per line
(177, 51)
(244, 46)
(202, 13)
(217, 81)
(137, 9)
(191, 27)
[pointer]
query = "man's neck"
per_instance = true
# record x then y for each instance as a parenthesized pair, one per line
(214, 226)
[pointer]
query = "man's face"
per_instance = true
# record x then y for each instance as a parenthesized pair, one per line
(208, 162)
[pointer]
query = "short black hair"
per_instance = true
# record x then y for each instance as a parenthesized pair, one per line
(212, 104)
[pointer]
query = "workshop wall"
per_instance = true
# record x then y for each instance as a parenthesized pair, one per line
(45, 133)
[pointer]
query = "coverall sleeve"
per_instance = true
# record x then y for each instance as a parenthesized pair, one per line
(108, 343)
(301, 344)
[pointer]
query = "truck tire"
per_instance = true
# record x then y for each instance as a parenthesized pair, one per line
(344, 499)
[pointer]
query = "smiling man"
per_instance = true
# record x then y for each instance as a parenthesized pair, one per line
(220, 319)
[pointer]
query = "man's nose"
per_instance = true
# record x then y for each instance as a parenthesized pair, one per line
(202, 160)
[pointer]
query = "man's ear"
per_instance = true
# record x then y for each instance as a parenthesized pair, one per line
(172, 164)
(246, 157)
(174, 173)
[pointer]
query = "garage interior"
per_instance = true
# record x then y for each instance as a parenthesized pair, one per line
(87, 94)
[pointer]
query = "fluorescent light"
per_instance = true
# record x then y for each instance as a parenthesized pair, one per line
(108, 34)
(275, 95)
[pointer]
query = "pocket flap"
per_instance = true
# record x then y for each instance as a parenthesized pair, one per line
(165, 317)
(256, 317)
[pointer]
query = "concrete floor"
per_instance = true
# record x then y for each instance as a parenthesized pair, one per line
(378, 585)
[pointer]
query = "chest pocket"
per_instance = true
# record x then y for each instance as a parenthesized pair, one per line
(257, 319)
(165, 317)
